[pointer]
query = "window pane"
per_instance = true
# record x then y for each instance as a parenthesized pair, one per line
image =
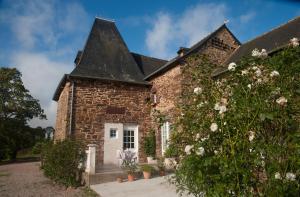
(132, 139)
(132, 145)
(132, 133)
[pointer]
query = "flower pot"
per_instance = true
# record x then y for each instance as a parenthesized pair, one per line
(147, 175)
(119, 180)
(162, 173)
(130, 177)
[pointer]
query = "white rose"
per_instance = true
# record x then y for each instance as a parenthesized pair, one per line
(217, 106)
(244, 72)
(200, 151)
(188, 149)
(232, 66)
(251, 136)
(290, 176)
(263, 53)
(216, 152)
(213, 127)
(255, 53)
(294, 42)
(222, 109)
(277, 175)
(258, 72)
(249, 86)
(197, 90)
(281, 100)
(274, 73)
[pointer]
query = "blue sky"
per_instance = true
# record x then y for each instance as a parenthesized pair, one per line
(41, 37)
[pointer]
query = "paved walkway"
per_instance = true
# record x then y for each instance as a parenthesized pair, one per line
(154, 187)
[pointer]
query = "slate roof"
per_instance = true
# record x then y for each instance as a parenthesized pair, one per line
(188, 51)
(106, 56)
(271, 41)
(148, 64)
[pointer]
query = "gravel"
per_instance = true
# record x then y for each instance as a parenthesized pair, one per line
(26, 179)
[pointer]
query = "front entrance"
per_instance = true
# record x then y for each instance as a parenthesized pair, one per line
(118, 137)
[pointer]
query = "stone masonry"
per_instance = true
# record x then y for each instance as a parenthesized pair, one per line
(97, 102)
(63, 114)
(168, 85)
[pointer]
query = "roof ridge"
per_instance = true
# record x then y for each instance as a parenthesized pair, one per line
(105, 19)
(271, 30)
(148, 56)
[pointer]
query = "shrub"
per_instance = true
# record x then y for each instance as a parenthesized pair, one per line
(239, 135)
(150, 144)
(63, 161)
(160, 164)
(171, 151)
(147, 168)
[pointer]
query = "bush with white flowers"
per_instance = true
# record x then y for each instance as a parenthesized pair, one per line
(240, 134)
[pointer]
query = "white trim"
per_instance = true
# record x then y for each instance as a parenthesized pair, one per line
(135, 127)
(165, 127)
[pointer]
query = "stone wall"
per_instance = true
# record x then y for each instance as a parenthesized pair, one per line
(97, 102)
(167, 88)
(168, 85)
(63, 115)
(220, 47)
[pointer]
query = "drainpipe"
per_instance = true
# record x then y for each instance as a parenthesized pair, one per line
(71, 107)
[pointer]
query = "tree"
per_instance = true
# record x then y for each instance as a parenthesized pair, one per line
(17, 107)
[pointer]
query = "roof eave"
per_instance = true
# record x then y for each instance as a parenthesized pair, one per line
(108, 79)
(59, 87)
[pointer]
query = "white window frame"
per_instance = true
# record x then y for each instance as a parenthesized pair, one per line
(165, 133)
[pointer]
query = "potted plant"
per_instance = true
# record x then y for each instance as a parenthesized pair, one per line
(129, 163)
(170, 156)
(150, 146)
(147, 169)
(161, 166)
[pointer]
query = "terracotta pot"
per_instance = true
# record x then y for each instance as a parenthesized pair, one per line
(147, 175)
(130, 177)
(119, 180)
(162, 173)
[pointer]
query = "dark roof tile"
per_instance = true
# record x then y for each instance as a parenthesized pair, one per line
(148, 64)
(106, 56)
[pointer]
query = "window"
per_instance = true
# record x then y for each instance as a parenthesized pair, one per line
(113, 133)
(128, 139)
(165, 135)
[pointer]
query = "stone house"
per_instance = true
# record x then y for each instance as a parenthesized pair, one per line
(110, 96)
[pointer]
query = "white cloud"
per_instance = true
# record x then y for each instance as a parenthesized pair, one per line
(247, 17)
(169, 32)
(41, 75)
(158, 38)
(47, 34)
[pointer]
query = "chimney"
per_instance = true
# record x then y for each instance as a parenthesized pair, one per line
(182, 50)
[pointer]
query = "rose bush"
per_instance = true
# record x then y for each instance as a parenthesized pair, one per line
(239, 135)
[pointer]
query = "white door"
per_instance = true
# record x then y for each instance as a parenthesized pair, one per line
(113, 142)
(130, 138)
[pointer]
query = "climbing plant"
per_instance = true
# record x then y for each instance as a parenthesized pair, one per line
(239, 134)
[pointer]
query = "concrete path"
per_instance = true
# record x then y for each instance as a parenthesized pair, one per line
(155, 187)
